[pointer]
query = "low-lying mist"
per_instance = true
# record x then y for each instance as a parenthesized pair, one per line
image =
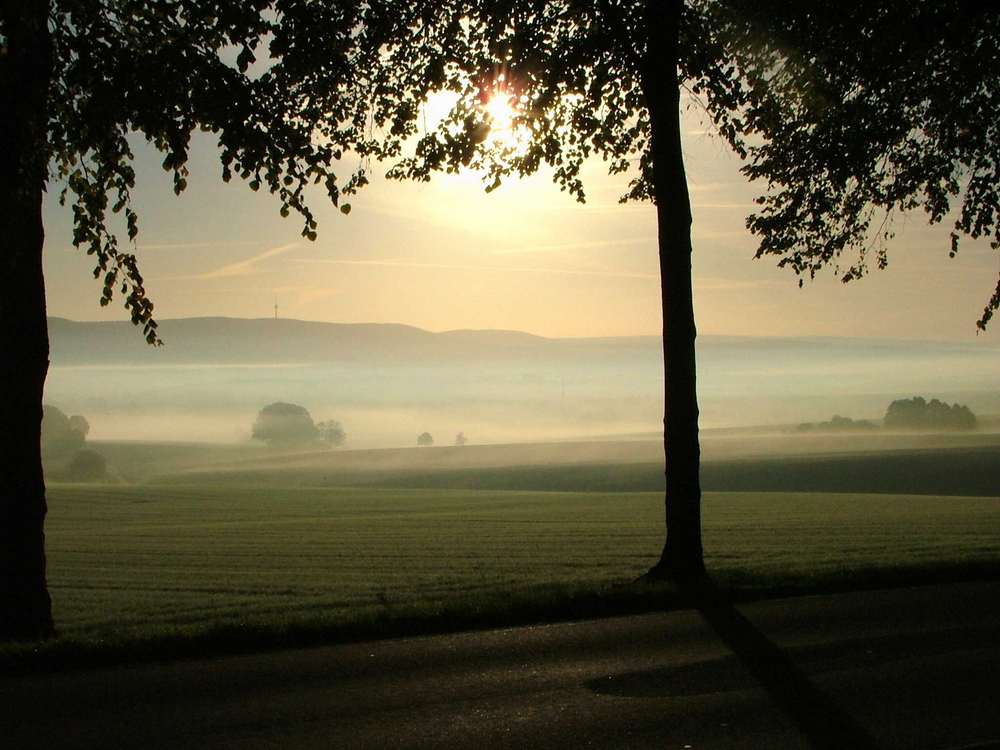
(493, 387)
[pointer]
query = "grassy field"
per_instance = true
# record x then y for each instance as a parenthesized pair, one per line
(137, 564)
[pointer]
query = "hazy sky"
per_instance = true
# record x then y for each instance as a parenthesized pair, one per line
(445, 255)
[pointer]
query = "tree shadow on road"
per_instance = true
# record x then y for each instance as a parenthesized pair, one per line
(754, 660)
(818, 717)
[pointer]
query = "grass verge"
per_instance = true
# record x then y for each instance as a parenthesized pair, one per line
(539, 607)
(140, 574)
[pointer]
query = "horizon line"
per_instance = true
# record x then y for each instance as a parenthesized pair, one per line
(272, 320)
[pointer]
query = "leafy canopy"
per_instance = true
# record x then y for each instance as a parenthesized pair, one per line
(166, 68)
(851, 113)
(876, 109)
(283, 425)
(305, 93)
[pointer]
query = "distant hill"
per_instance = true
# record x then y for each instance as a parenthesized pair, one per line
(269, 341)
(389, 383)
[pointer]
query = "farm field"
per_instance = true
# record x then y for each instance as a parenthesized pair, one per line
(733, 461)
(130, 563)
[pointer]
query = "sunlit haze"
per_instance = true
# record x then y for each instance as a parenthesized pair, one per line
(446, 255)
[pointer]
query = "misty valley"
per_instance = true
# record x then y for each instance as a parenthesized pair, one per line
(517, 476)
(387, 384)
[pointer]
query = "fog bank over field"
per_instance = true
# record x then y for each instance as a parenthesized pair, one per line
(388, 383)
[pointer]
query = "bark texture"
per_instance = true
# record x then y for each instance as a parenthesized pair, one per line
(25, 70)
(682, 558)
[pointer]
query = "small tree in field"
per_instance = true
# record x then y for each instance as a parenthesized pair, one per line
(331, 433)
(282, 425)
(461, 439)
(62, 436)
(425, 439)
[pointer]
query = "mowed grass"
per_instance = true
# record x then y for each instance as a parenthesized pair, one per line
(129, 565)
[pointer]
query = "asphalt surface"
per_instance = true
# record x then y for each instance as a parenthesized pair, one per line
(915, 669)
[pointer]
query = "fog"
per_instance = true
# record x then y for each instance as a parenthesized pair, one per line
(378, 407)
(495, 387)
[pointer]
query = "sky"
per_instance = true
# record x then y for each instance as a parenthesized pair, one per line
(445, 255)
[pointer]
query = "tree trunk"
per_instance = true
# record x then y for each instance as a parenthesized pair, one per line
(25, 70)
(682, 558)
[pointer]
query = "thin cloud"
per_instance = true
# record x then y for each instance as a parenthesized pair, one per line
(392, 263)
(245, 267)
(574, 246)
(194, 245)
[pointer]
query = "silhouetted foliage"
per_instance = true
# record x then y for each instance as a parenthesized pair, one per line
(282, 425)
(842, 138)
(460, 439)
(919, 414)
(63, 451)
(331, 432)
(61, 436)
(906, 121)
(80, 424)
(839, 138)
(77, 81)
(425, 438)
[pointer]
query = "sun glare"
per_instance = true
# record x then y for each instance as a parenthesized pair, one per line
(500, 111)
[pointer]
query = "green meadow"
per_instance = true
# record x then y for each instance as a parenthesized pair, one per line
(191, 549)
(129, 564)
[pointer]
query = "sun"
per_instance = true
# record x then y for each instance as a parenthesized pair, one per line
(501, 111)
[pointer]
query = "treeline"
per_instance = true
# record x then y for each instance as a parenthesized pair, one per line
(63, 453)
(920, 414)
(290, 426)
(915, 413)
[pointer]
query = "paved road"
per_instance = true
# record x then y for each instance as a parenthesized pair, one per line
(915, 668)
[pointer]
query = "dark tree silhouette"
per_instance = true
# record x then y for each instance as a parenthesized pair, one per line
(843, 139)
(906, 121)
(839, 142)
(918, 413)
(282, 425)
(61, 435)
(76, 79)
(425, 439)
(332, 433)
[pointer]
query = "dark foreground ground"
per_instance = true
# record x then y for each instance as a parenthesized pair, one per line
(953, 472)
(913, 669)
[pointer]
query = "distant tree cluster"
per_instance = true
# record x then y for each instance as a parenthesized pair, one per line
(915, 413)
(331, 433)
(63, 451)
(425, 439)
(283, 425)
(839, 424)
(62, 435)
(919, 414)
